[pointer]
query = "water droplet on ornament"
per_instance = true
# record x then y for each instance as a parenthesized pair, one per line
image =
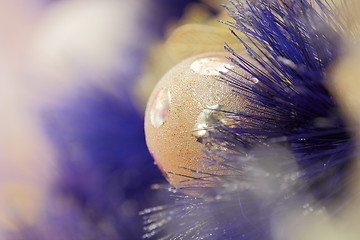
(160, 108)
(210, 66)
(254, 80)
(207, 119)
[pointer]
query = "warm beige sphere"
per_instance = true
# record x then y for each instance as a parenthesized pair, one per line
(174, 107)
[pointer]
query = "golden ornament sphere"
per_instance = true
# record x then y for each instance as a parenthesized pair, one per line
(179, 108)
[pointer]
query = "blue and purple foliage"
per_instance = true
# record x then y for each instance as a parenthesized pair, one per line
(298, 45)
(106, 168)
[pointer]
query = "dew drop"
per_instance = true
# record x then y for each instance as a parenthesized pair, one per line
(160, 108)
(209, 118)
(205, 121)
(254, 80)
(210, 66)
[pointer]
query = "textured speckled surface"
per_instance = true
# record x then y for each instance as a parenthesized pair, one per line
(173, 142)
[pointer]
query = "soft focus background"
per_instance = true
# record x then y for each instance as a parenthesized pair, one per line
(73, 159)
(74, 79)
